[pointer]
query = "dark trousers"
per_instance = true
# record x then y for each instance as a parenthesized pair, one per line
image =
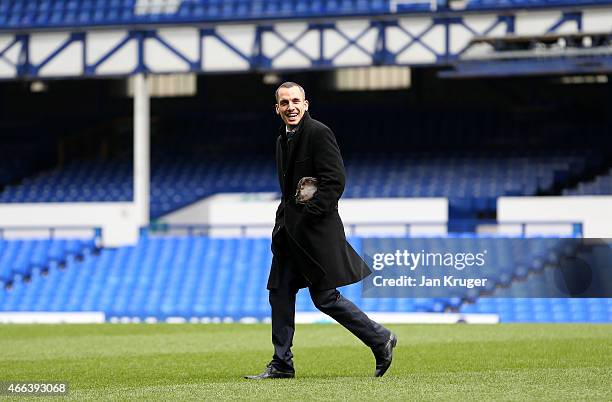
(330, 302)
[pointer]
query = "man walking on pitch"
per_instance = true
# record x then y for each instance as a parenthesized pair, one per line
(308, 241)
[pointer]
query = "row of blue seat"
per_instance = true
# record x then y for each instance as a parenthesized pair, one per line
(54, 13)
(49, 13)
(196, 276)
(471, 183)
(602, 184)
(20, 258)
(543, 310)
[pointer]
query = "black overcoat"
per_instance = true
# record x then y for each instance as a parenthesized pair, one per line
(312, 234)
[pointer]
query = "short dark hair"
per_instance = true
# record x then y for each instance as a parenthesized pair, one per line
(289, 84)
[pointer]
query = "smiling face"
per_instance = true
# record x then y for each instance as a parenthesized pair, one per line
(291, 105)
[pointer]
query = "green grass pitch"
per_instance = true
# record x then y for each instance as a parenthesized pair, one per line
(207, 362)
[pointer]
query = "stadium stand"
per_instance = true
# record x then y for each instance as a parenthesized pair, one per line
(472, 182)
(544, 310)
(173, 183)
(20, 259)
(197, 276)
(10, 170)
(514, 4)
(602, 184)
(48, 13)
(78, 13)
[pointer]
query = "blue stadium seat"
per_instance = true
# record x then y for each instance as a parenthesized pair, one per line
(188, 277)
(601, 185)
(47, 13)
(471, 182)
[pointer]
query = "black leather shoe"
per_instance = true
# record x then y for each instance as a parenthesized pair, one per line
(271, 372)
(384, 355)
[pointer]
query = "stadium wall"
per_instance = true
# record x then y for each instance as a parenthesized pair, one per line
(594, 212)
(253, 215)
(119, 221)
